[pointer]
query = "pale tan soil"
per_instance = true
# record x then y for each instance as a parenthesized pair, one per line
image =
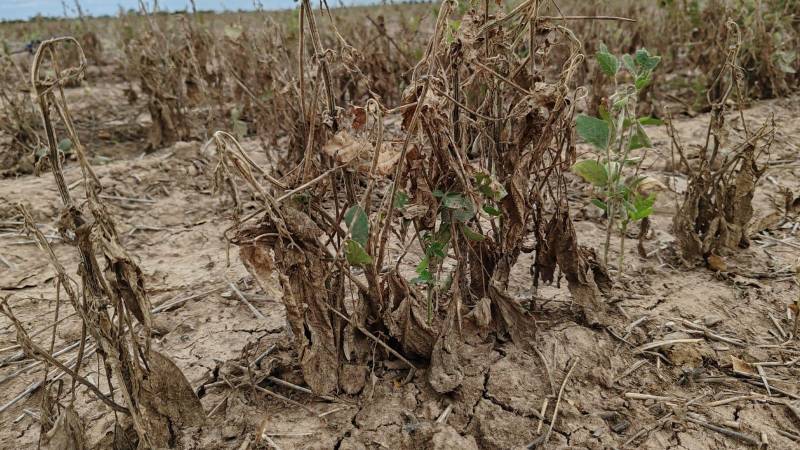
(174, 225)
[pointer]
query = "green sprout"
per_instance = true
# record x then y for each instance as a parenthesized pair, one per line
(616, 133)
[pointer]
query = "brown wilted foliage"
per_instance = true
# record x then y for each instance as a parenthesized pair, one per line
(156, 395)
(18, 121)
(717, 207)
(484, 141)
(692, 38)
(177, 69)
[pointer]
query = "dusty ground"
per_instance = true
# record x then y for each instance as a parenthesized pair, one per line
(617, 395)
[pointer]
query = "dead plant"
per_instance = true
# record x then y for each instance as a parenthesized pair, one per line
(155, 394)
(717, 207)
(485, 140)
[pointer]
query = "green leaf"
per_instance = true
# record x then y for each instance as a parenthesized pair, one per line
(650, 121)
(490, 187)
(471, 234)
(593, 130)
(423, 265)
(424, 275)
(356, 255)
(627, 60)
(645, 202)
(642, 80)
(592, 171)
(436, 249)
(460, 207)
(640, 207)
(603, 113)
(640, 139)
(600, 204)
(645, 61)
(400, 200)
(65, 145)
(491, 210)
(609, 63)
(358, 224)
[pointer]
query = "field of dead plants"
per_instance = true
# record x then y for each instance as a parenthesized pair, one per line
(455, 225)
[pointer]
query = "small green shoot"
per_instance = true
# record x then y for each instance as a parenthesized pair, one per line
(615, 134)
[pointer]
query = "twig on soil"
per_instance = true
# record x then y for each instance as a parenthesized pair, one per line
(241, 296)
(777, 324)
(659, 423)
(544, 440)
(294, 434)
(616, 18)
(38, 363)
(631, 369)
(35, 385)
(169, 305)
(546, 371)
(726, 431)
(777, 241)
(5, 262)
(443, 416)
(728, 400)
(245, 444)
(541, 415)
(764, 379)
(27, 412)
(32, 335)
(300, 389)
(636, 323)
(321, 415)
(657, 344)
(285, 399)
(270, 442)
(219, 405)
(772, 387)
(261, 357)
(787, 434)
(127, 199)
(710, 334)
(659, 398)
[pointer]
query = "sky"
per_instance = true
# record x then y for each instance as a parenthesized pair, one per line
(25, 9)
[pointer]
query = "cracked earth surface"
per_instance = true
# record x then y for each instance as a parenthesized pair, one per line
(174, 226)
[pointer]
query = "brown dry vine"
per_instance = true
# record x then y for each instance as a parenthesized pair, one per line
(111, 299)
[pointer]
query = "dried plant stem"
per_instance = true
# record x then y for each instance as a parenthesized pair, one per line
(34, 351)
(319, 55)
(244, 300)
(378, 341)
(546, 437)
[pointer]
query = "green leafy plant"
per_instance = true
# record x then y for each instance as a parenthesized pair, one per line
(616, 133)
(455, 210)
(358, 226)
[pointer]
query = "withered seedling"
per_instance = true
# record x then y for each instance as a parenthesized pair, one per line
(716, 209)
(111, 299)
(19, 142)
